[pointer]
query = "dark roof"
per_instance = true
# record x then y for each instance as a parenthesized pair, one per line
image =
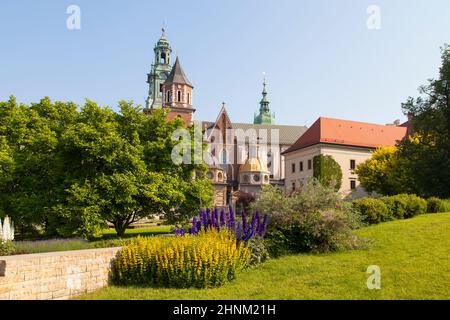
(177, 75)
(350, 133)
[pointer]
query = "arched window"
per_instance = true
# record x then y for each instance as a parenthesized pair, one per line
(179, 95)
(188, 98)
(224, 157)
(163, 58)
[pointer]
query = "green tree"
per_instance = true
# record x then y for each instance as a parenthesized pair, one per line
(385, 172)
(68, 171)
(428, 150)
(327, 171)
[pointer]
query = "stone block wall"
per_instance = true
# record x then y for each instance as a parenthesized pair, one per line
(55, 275)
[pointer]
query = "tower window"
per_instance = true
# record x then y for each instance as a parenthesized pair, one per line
(163, 57)
(188, 98)
(179, 95)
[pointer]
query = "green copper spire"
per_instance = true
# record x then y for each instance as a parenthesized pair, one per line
(159, 72)
(264, 116)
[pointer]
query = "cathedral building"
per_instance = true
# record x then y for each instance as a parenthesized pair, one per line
(243, 162)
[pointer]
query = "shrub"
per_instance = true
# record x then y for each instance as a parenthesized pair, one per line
(445, 205)
(416, 205)
(434, 205)
(7, 248)
(209, 259)
(372, 210)
(397, 205)
(259, 251)
(315, 218)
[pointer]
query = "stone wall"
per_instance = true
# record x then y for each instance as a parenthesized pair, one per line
(54, 275)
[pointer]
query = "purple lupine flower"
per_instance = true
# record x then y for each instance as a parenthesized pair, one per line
(263, 227)
(203, 220)
(254, 220)
(222, 218)
(193, 230)
(216, 219)
(239, 231)
(231, 221)
(199, 227)
(208, 219)
(244, 222)
(249, 235)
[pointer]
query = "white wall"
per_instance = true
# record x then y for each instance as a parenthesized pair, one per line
(342, 155)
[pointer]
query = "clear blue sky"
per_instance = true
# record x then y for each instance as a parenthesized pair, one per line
(319, 56)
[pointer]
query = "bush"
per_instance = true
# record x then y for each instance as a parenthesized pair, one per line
(434, 205)
(416, 205)
(259, 251)
(445, 205)
(7, 248)
(397, 205)
(315, 218)
(209, 259)
(372, 210)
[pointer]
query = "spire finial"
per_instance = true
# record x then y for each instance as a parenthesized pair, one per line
(163, 29)
(223, 104)
(264, 83)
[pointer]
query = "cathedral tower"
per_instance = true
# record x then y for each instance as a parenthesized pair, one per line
(264, 116)
(160, 70)
(177, 94)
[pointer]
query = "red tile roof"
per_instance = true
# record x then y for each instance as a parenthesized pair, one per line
(350, 133)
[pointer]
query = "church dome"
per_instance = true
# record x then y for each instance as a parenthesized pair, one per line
(253, 165)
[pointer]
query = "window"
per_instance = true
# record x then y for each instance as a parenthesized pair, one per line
(293, 186)
(352, 184)
(179, 96)
(188, 98)
(293, 167)
(352, 164)
(301, 165)
(309, 164)
(224, 157)
(168, 96)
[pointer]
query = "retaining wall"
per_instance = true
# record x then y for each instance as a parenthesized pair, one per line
(54, 275)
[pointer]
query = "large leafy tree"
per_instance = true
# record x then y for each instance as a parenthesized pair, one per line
(69, 171)
(385, 172)
(428, 150)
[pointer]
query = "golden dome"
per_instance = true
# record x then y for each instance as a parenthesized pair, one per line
(253, 165)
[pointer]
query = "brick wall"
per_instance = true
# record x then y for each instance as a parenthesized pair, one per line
(55, 275)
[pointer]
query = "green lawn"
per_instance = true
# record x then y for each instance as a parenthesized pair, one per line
(111, 233)
(108, 239)
(414, 257)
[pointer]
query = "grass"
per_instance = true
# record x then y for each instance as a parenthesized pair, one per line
(108, 239)
(413, 254)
